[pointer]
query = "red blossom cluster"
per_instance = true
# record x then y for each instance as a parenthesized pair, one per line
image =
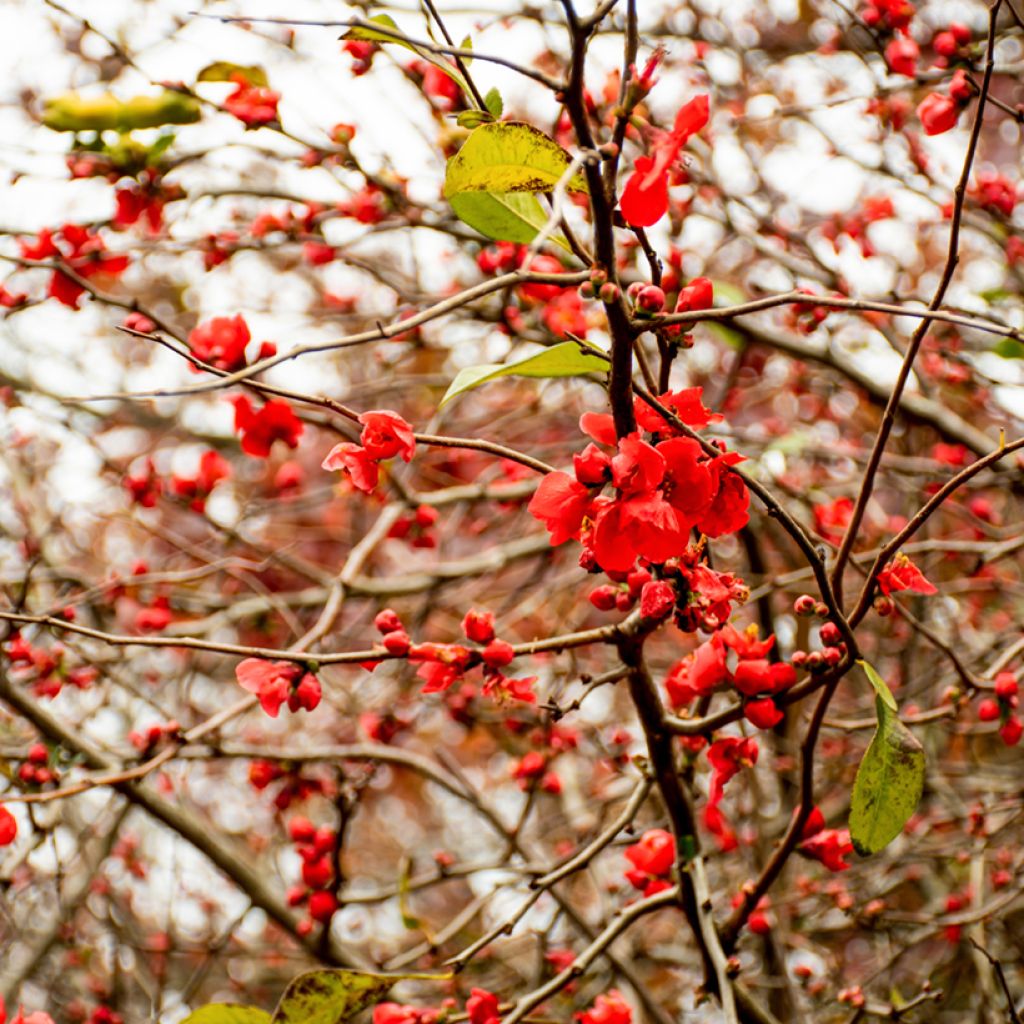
(653, 858)
(253, 105)
(316, 848)
(608, 1008)
(221, 343)
(1003, 708)
(938, 113)
(84, 252)
(731, 658)
(46, 669)
(260, 428)
(385, 434)
(440, 665)
(279, 682)
(663, 490)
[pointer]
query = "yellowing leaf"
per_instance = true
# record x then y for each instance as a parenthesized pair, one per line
(508, 156)
(74, 113)
(227, 1013)
(335, 996)
(890, 778)
(225, 71)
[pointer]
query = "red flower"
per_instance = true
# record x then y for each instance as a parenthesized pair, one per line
(221, 342)
(352, 459)
(478, 626)
(271, 681)
(607, 1009)
(560, 503)
(902, 574)
(762, 713)
(8, 827)
(832, 519)
(645, 198)
(482, 1007)
(133, 203)
(385, 434)
(212, 469)
(83, 251)
(938, 113)
(275, 421)
(697, 295)
(253, 105)
(652, 859)
(657, 599)
(726, 757)
(901, 55)
(828, 845)
(396, 1013)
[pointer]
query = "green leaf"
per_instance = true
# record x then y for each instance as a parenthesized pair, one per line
(473, 118)
(890, 778)
(373, 36)
(335, 996)
(224, 71)
(508, 156)
(74, 113)
(506, 217)
(467, 44)
(879, 684)
(489, 180)
(566, 359)
(227, 1013)
(494, 103)
(1009, 348)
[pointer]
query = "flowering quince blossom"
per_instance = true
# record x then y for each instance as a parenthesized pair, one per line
(938, 113)
(645, 198)
(398, 1013)
(610, 1008)
(213, 468)
(652, 858)
(221, 342)
(664, 491)
(82, 250)
(726, 757)
(279, 682)
(902, 574)
(8, 827)
(385, 434)
(253, 105)
(828, 845)
(707, 670)
(275, 421)
(482, 1007)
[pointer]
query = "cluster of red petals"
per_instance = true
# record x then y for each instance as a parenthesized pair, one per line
(652, 859)
(891, 15)
(902, 574)
(663, 491)
(482, 1007)
(253, 105)
(828, 845)
(134, 203)
(645, 198)
(736, 659)
(385, 434)
(610, 1008)
(316, 847)
(221, 342)
(727, 756)
(995, 192)
(279, 682)
(82, 250)
(213, 468)
(832, 518)
(938, 113)
(260, 428)
(8, 827)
